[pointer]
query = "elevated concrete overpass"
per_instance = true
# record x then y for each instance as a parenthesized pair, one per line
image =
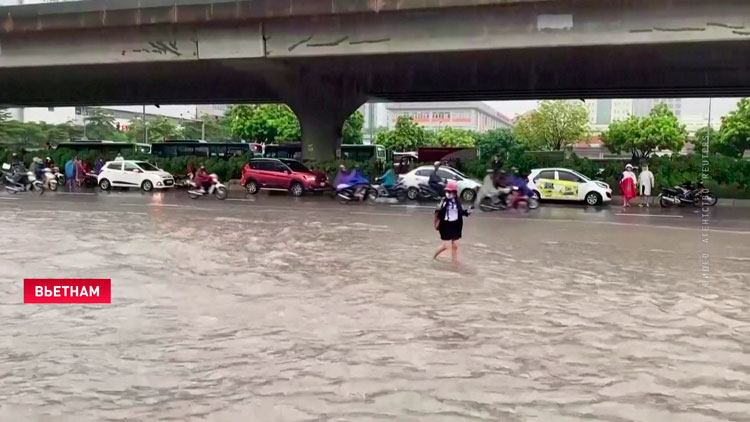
(325, 57)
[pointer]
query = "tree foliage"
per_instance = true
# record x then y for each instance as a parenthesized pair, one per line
(100, 124)
(157, 129)
(268, 123)
(660, 130)
(450, 137)
(351, 132)
(216, 129)
(554, 125)
(734, 136)
(496, 142)
(406, 136)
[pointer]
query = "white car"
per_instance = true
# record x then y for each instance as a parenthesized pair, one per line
(133, 174)
(467, 188)
(566, 184)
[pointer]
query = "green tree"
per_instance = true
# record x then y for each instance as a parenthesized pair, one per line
(269, 123)
(406, 136)
(215, 128)
(703, 135)
(351, 132)
(496, 142)
(100, 124)
(660, 130)
(157, 129)
(451, 137)
(555, 126)
(734, 136)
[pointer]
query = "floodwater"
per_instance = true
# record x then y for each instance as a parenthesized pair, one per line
(282, 315)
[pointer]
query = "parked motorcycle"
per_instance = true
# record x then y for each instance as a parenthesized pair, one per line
(216, 188)
(687, 194)
(91, 180)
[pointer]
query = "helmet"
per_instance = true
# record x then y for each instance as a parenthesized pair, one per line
(628, 166)
(451, 186)
(436, 163)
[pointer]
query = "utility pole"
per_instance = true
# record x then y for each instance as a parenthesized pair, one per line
(145, 129)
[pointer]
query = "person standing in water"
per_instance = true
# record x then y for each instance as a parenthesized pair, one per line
(628, 185)
(449, 221)
(646, 180)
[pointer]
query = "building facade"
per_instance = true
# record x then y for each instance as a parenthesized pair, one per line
(475, 116)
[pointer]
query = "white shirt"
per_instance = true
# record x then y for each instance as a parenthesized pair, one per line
(451, 211)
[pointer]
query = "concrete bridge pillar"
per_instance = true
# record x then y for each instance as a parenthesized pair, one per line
(322, 106)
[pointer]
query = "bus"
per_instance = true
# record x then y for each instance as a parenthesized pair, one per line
(225, 150)
(348, 152)
(106, 147)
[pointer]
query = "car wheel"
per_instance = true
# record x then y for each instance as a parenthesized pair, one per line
(412, 193)
(468, 195)
(147, 186)
(593, 198)
(104, 184)
(251, 187)
(536, 196)
(296, 189)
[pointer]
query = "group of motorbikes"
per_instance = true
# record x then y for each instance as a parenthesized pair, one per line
(16, 178)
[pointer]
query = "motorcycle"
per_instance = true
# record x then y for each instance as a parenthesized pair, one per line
(687, 194)
(61, 179)
(90, 180)
(424, 192)
(15, 184)
(216, 188)
(397, 191)
(359, 192)
(50, 181)
(508, 197)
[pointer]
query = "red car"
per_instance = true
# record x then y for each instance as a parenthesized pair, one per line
(282, 174)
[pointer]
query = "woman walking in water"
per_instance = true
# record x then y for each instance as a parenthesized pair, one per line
(449, 221)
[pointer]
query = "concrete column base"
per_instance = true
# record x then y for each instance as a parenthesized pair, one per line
(321, 106)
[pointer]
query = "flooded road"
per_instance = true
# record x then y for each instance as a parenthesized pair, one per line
(227, 312)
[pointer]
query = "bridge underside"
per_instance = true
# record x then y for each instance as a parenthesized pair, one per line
(653, 70)
(668, 70)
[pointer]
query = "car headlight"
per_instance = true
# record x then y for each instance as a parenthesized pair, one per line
(602, 185)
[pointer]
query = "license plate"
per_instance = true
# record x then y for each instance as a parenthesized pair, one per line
(322, 184)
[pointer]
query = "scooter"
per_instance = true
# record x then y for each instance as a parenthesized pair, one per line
(50, 181)
(397, 191)
(424, 192)
(31, 184)
(61, 179)
(359, 192)
(216, 188)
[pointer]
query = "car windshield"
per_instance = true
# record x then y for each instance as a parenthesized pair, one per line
(146, 166)
(296, 166)
(580, 175)
(457, 172)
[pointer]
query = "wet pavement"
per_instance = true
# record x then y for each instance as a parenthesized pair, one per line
(271, 308)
